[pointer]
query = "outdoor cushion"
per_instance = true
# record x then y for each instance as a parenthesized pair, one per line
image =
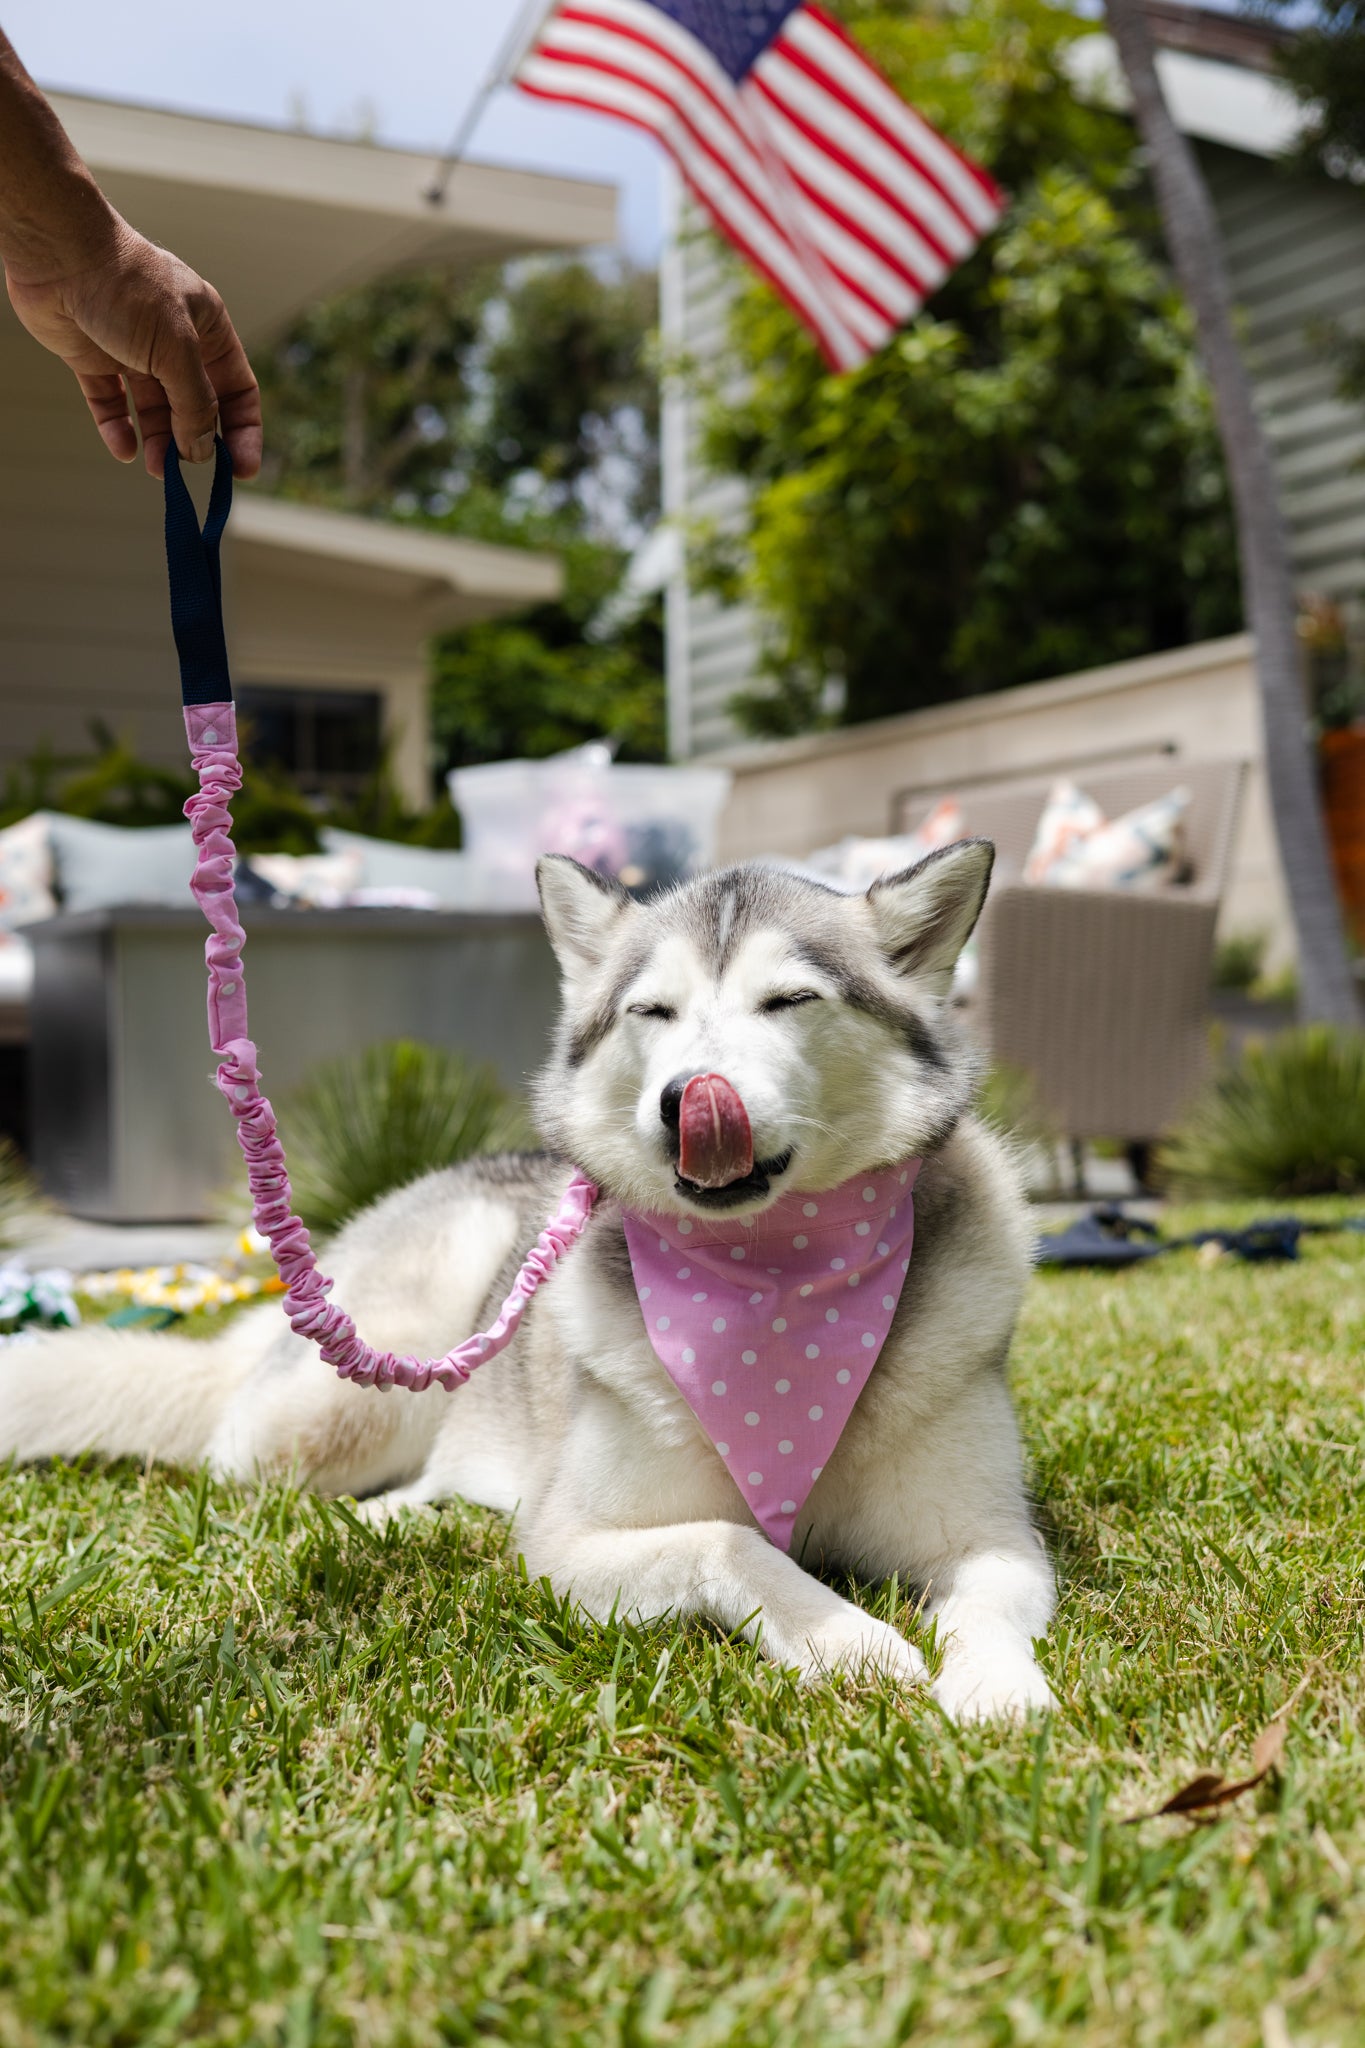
(316, 881)
(26, 873)
(856, 863)
(101, 865)
(1075, 847)
(389, 865)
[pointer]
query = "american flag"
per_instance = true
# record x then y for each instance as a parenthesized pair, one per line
(851, 205)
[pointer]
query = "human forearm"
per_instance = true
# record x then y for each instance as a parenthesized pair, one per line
(52, 213)
(130, 320)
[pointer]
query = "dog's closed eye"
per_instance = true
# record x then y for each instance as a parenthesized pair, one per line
(662, 1011)
(788, 1002)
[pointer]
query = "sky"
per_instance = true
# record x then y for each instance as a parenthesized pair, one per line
(409, 67)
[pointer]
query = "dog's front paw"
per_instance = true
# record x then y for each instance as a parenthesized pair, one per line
(859, 1644)
(998, 1684)
(382, 1508)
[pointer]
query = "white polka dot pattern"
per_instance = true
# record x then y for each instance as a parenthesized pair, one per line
(743, 1325)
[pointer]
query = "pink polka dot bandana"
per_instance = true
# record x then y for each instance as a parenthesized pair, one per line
(769, 1326)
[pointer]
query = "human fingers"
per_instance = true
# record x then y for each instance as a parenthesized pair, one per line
(239, 397)
(174, 396)
(153, 410)
(98, 373)
(107, 399)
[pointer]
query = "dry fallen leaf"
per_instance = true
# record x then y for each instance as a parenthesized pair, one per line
(1211, 1789)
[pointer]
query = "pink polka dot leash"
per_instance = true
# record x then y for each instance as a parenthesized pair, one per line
(192, 557)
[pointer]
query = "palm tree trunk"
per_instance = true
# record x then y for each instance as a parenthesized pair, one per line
(1326, 984)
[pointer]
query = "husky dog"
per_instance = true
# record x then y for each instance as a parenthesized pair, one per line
(821, 1024)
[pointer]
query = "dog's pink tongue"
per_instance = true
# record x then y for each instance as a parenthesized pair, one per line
(717, 1146)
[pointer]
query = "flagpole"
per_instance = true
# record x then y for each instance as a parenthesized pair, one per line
(526, 25)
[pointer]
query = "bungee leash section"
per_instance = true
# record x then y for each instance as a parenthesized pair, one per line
(192, 559)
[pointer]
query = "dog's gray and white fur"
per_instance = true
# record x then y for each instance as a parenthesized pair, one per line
(828, 1013)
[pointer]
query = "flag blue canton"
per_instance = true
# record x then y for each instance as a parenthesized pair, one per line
(736, 32)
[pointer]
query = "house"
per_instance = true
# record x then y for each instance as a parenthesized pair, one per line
(328, 613)
(1295, 247)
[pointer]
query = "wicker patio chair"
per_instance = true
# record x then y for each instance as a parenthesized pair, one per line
(1102, 995)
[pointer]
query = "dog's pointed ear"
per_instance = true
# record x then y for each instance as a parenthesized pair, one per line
(582, 910)
(925, 916)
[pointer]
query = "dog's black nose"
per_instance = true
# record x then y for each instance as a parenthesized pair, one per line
(670, 1101)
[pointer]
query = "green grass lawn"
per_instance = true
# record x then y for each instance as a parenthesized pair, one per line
(268, 1777)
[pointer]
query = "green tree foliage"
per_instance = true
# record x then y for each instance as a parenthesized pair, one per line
(519, 407)
(571, 395)
(1027, 480)
(535, 381)
(363, 396)
(558, 675)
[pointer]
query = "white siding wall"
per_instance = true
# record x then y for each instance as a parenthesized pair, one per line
(1296, 250)
(712, 648)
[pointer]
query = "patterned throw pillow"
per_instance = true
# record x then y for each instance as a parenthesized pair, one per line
(1075, 847)
(858, 863)
(26, 873)
(1069, 816)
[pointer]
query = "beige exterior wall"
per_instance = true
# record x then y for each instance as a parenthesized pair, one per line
(84, 620)
(84, 627)
(290, 627)
(1198, 702)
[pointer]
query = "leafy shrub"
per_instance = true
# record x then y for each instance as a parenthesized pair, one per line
(269, 813)
(1239, 961)
(1287, 1119)
(18, 1190)
(109, 783)
(373, 1121)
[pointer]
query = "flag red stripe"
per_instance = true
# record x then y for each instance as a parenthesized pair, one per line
(771, 87)
(822, 150)
(856, 232)
(835, 357)
(915, 152)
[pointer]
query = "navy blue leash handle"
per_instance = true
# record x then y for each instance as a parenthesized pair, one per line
(196, 579)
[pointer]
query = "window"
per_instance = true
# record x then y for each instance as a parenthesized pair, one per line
(328, 742)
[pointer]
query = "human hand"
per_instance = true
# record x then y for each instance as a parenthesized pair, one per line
(134, 323)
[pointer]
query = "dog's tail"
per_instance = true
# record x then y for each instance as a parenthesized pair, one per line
(123, 1393)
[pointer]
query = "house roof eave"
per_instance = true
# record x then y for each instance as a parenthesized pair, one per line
(1210, 99)
(450, 580)
(279, 219)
